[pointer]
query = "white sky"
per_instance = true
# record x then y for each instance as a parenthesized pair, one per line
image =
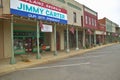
(105, 8)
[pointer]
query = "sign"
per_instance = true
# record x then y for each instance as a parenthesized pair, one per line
(39, 10)
(100, 32)
(46, 28)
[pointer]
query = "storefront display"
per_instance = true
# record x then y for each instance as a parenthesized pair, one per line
(25, 42)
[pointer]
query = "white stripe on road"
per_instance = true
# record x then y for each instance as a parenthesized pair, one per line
(57, 66)
(68, 65)
(84, 57)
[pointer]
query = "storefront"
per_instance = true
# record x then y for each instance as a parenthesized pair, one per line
(89, 38)
(36, 25)
(100, 37)
(74, 37)
(25, 37)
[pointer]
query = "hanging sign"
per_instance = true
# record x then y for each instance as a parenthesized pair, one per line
(39, 10)
(46, 28)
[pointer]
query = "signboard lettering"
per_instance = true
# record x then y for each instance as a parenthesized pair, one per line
(39, 10)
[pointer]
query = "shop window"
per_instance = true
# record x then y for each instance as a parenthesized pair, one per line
(81, 20)
(0, 3)
(86, 19)
(92, 22)
(74, 17)
(89, 21)
(26, 41)
(95, 22)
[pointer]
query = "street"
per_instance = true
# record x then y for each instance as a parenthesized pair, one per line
(101, 64)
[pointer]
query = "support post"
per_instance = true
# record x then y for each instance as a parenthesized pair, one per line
(68, 50)
(38, 36)
(90, 40)
(12, 60)
(94, 38)
(84, 39)
(77, 39)
(55, 53)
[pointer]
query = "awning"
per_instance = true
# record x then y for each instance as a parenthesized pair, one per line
(2, 17)
(114, 34)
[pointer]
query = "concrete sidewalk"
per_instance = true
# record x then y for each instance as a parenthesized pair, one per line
(5, 67)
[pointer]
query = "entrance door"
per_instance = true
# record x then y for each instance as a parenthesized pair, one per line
(1, 42)
(58, 40)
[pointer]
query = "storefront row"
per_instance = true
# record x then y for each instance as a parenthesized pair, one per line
(23, 36)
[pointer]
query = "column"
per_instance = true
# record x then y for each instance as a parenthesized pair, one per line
(68, 50)
(89, 40)
(55, 53)
(38, 36)
(94, 38)
(12, 59)
(77, 39)
(83, 39)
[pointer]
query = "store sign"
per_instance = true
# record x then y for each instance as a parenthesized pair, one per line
(39, 10)
(46, 28)
(99, 32)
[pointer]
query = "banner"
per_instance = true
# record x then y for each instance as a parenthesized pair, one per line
(38, 10)
(46, 28)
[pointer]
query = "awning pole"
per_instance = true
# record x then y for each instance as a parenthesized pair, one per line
(68, 50)
(89, 40)
(55, 53)
(38, 36)
(12, 60)
(77, 48)
(84, 39)
(94, 38)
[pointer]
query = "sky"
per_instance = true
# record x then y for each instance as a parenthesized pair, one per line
(105, 8)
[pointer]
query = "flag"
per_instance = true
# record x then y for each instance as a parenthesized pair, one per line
(41, 25)
(89, 31)
(72, 29)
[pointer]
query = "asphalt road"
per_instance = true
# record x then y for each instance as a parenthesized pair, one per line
(101, 64)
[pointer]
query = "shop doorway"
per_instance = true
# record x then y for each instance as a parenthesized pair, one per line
(58, 40)
(1, 43)
(72, 40)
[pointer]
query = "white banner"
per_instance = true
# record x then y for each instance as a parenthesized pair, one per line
(46, 28)
(33, 9)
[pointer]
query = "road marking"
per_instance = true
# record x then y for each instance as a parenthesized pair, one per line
(83, 57)
(58, 66)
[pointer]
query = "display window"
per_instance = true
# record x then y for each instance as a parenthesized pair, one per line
(26, 42)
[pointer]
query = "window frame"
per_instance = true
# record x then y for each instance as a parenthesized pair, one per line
(74, 17)
(86, 19)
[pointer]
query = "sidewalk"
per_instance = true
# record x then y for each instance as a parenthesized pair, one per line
(5, 67)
